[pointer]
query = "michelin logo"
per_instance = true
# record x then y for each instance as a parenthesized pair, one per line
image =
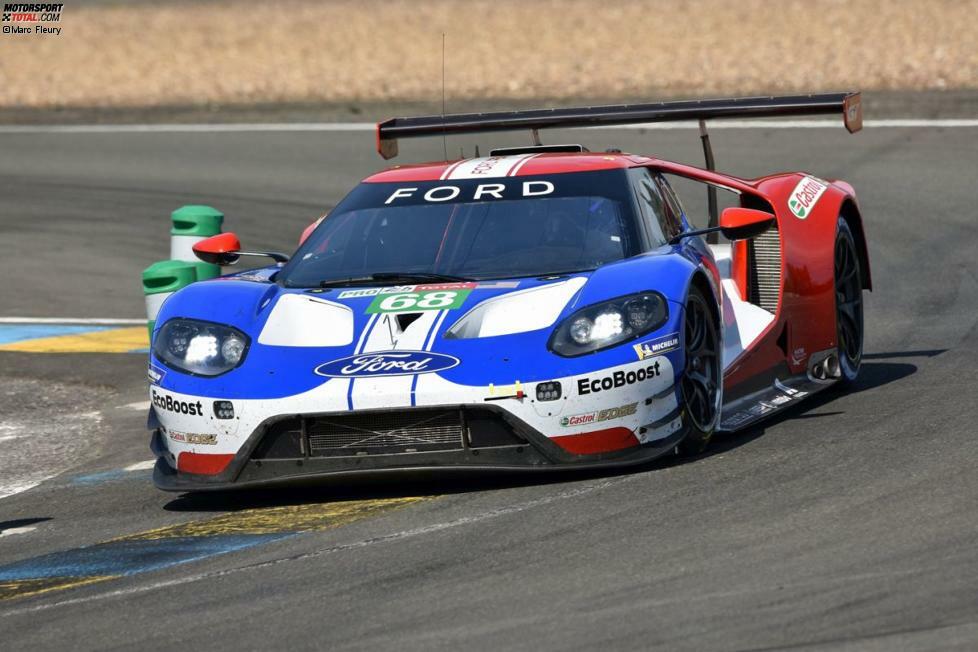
(657, 346)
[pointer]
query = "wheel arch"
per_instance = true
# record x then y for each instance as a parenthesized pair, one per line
(701, 282)
(850, 213)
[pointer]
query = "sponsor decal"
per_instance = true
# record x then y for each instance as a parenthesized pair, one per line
(387, 363)
(485, 166)
(416, 301)
(168, 403)
(155, 374)
(798, 355)
(761, 408)
(737, 419)
(804, 196)
(193, 438)
(657, 346)
(780, 399)
(497, 285)
(599, 415)
(398, 289)
(500, 392)
(617, 379)
(482, 192)
(794, 393)
(506, 390)
(372, 292)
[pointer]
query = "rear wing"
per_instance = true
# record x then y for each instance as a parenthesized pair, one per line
(849, 104)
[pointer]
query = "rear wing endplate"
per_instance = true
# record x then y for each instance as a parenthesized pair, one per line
(849, 104)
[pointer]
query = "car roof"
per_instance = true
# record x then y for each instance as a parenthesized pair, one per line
(518, 165)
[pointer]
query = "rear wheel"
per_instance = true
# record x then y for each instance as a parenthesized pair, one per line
(701, 380)
(848, 303)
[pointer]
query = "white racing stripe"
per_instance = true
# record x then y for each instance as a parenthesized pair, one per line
(516, 168)
(434, 331)
(919, 123)
(486, 167)
(380, 391)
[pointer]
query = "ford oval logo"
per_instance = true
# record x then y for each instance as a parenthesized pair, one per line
(387, 363)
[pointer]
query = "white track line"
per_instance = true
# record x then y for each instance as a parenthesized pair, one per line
(17, 530)
(7, 490)
(139, 405)
(84, 321)
(141, 466)
(919, 123)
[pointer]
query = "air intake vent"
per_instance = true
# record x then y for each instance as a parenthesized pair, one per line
(766, 260)
(385, 432)
(538, 149)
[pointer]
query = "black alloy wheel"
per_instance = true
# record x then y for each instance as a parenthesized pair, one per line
(848, 303)
(702, 378)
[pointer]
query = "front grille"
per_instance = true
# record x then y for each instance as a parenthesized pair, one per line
(766, 259)
(385, 432)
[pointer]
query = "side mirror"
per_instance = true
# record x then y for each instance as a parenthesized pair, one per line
(225, 249)
(221, 249)
(743, 223)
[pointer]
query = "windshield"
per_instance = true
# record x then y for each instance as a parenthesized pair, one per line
(472, 229)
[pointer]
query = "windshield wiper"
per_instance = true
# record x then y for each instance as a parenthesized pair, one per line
(418, 276)
(392, 277)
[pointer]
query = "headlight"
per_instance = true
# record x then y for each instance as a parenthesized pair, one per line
(607, 324)
(200, 347)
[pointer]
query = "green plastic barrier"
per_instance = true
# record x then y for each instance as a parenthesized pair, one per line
(162, 279)
(190, 225)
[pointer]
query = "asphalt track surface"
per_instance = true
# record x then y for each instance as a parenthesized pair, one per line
(848, 524)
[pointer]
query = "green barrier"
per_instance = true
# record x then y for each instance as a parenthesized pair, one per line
(190, 225)
(162, 279)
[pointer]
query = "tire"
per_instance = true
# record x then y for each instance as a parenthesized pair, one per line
(848, 304)
(701, 384)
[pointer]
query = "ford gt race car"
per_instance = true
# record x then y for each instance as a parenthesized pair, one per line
(543, 307)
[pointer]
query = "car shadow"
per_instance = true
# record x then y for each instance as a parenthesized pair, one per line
(408, 484)
(21, 522)
(873, 375)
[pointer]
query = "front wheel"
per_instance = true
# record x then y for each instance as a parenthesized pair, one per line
(848, 304)
(701, 384)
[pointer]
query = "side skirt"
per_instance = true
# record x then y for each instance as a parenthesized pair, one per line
(780, 394)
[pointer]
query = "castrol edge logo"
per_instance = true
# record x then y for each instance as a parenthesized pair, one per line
(804, 196)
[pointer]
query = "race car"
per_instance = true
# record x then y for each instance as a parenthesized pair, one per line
(541, 308)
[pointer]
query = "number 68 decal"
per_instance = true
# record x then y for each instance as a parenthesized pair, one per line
(415, 301)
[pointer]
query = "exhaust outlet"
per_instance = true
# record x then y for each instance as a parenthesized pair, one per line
(832, 369)
(819, 371)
